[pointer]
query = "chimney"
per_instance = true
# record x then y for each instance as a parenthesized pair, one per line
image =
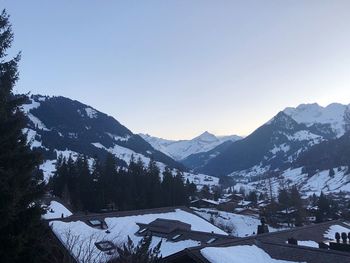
(337, 237)
(292, 241)
(263, 228)
(341, 246)
(344, 237)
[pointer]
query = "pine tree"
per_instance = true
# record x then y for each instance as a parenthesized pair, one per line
(167, 188)
(331, 173)
(347, 119)
(141, 253)
(323, 208)
(21, 230)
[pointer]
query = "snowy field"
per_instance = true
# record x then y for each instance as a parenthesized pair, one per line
(234, 224)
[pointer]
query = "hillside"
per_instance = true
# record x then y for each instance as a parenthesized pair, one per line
(59, 125)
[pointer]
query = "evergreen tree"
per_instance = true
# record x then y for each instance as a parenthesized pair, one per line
(253, 197)
(154, 186)
(141, 253)
(331, 173)
(191, 189)
(167, 188)
(205, 192)
(21, 229)
(284, 199)
(323, 208)
(347, 119)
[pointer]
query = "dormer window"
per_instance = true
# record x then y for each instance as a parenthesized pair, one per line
(105, 246)
(97, 223)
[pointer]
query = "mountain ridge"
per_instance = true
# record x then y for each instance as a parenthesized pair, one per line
(180, 149)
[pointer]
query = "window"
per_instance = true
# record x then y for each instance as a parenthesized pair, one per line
(95, 222)
(143, 230)
(105, 246)
(211, 240)
(176, 237)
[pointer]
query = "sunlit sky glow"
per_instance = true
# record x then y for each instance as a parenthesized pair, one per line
(177, 68)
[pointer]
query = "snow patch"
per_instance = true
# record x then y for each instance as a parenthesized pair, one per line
(91, 113)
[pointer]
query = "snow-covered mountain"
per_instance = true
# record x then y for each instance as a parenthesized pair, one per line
(332, 117)
(181, 149)
(278, 143)
(61, 126)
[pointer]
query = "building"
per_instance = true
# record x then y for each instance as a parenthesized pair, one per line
(187, 237)
(94, 237)
(205, 203)
(310, 244)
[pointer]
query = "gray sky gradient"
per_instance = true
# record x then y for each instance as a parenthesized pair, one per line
(177, 68)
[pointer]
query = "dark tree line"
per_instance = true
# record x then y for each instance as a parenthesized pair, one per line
(106, 186)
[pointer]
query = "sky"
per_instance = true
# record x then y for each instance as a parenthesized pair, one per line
(177, 68)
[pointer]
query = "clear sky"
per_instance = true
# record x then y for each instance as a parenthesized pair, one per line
(175, 68)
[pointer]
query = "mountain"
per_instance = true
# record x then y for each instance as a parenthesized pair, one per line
(181, 149)
(331, 117)
(279, 142)
(58, 125)
(326, 155)
(198, 160)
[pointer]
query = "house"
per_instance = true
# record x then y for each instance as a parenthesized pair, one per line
(247, 212)
(204, 203)
(230, 202)
(97, 235)
(310, 244)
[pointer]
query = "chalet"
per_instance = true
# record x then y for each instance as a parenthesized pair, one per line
(205, 203)
(186, 237)
(97, 234)
(247, 211)
(319, 243)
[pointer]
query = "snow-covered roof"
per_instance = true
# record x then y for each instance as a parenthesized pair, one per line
(122, 225)
(56, 210)
(238, 254)
(207, 201)
(272, 247)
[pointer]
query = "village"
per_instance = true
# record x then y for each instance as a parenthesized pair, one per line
(183, 233)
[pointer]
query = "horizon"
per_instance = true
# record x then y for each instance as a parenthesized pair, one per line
(176, 69)
(204, 131)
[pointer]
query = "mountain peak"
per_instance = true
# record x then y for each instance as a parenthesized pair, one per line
(309, 114)
(206, 136)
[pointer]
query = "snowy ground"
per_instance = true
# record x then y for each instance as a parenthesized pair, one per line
(320, 181)
(234, 224)
(201, 179)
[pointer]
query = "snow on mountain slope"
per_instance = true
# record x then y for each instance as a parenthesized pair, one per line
(60, 126)
(181, 149)
(311, 114)
(315, 183)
